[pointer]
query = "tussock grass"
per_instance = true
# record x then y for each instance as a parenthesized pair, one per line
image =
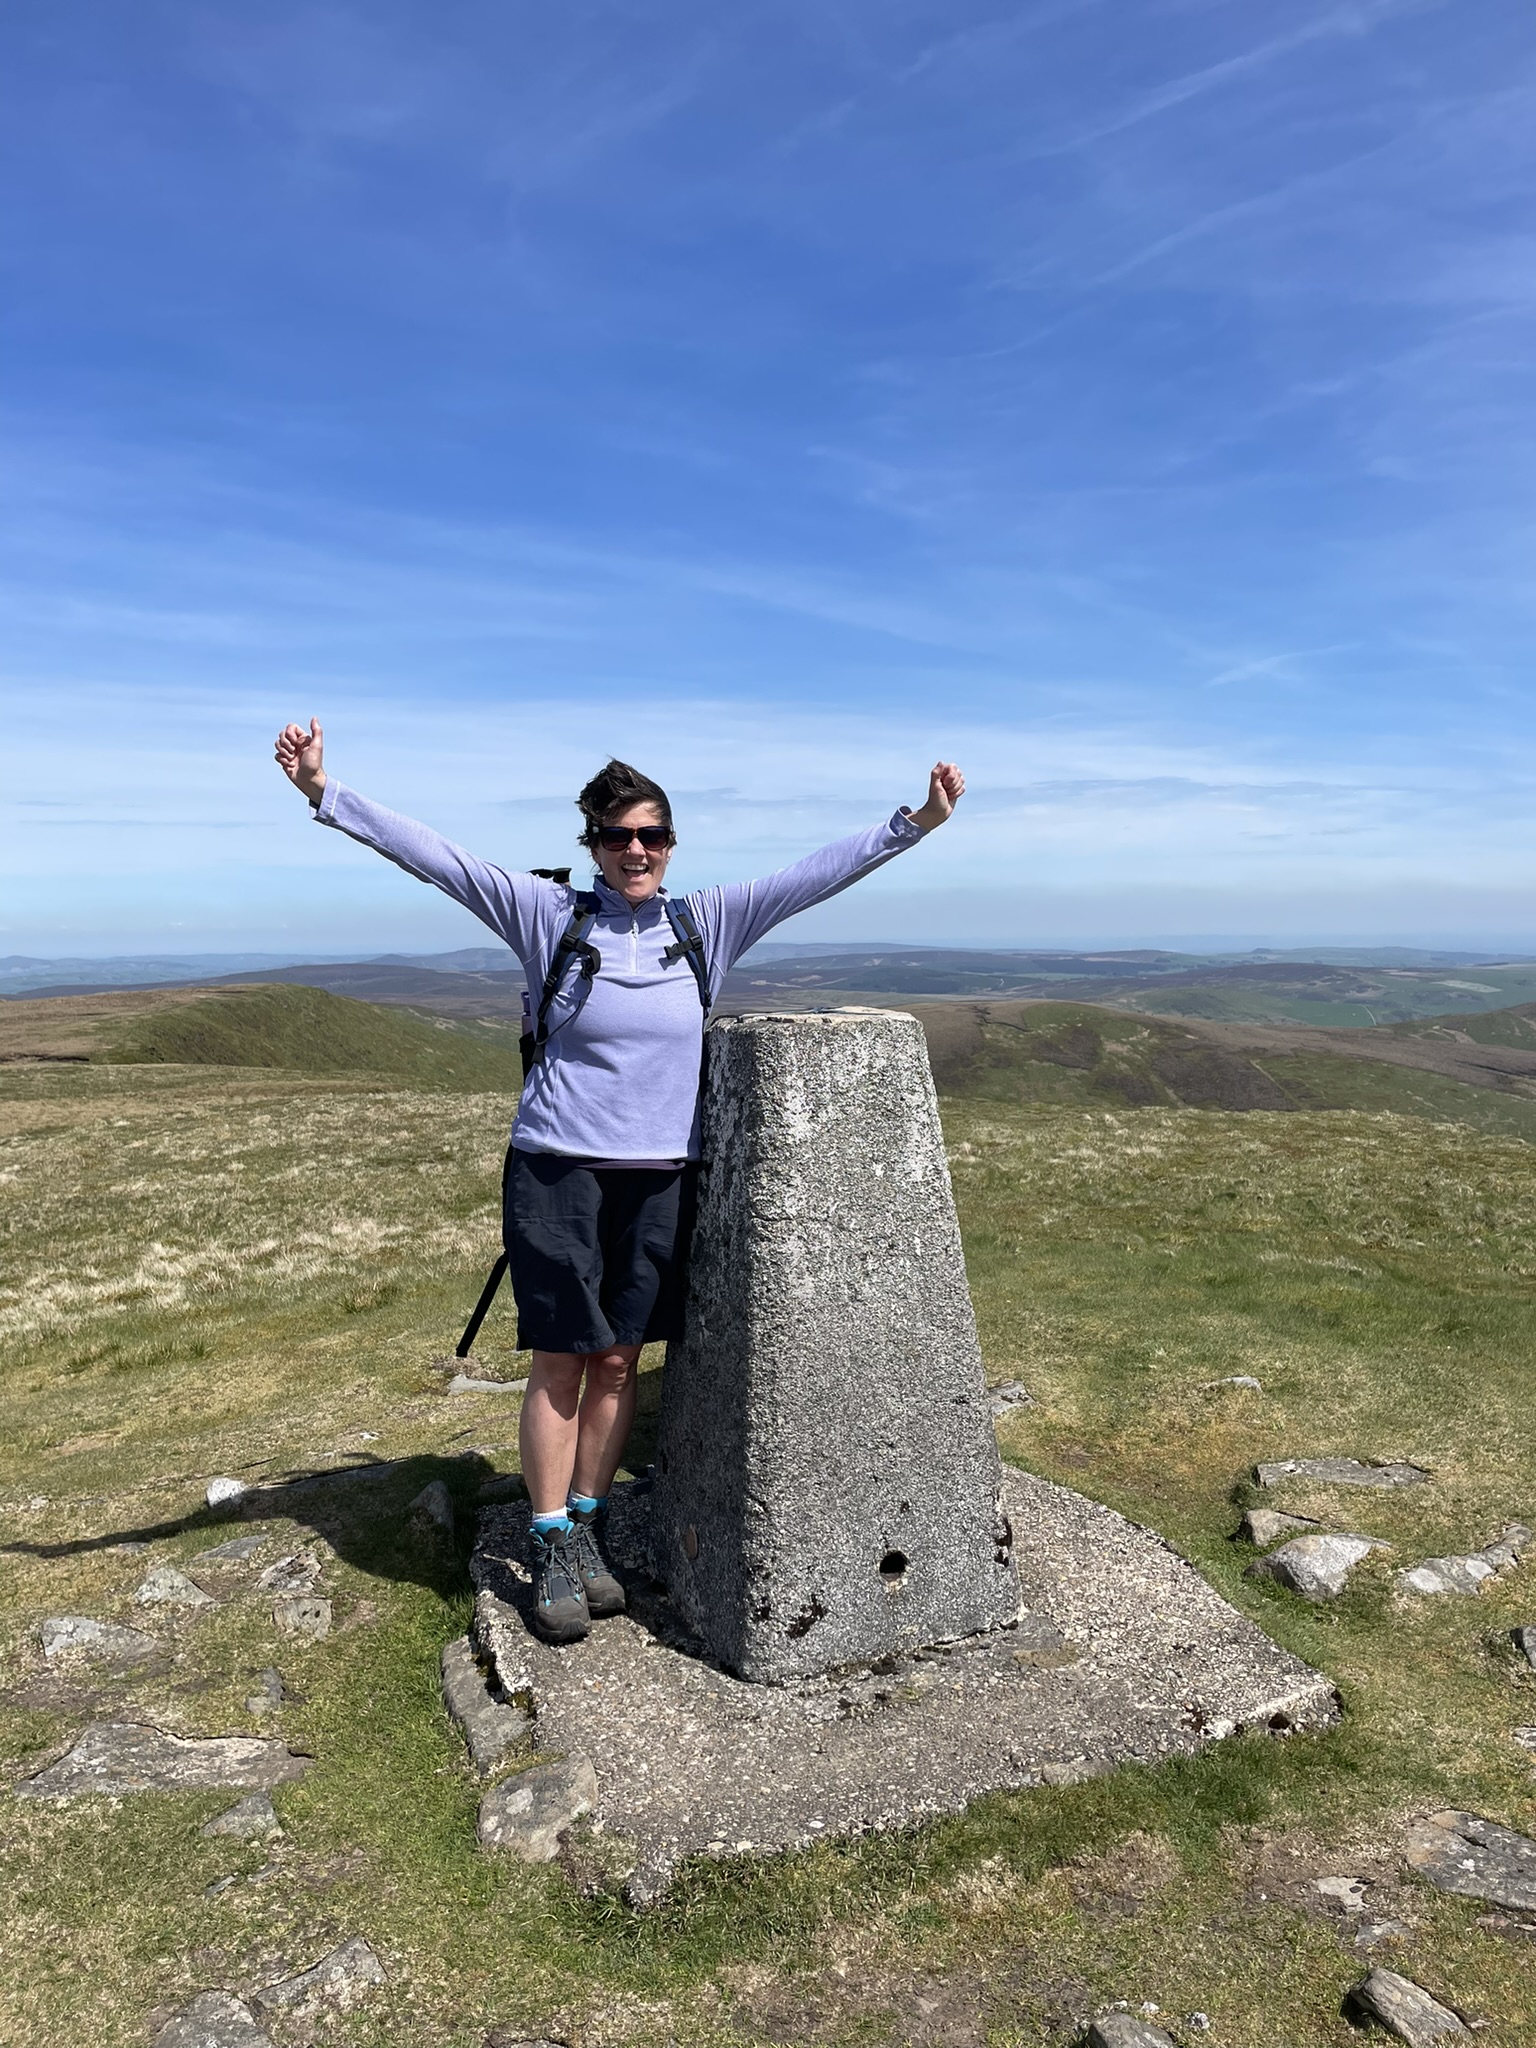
(241, 1271)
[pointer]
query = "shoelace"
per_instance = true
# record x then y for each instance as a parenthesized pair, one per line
(590, 1561)
(560, 1561)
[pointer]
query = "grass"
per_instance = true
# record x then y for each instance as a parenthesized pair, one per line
(215, 1269)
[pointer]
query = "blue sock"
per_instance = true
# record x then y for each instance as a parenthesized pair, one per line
(557, 1524)
(585, 1503)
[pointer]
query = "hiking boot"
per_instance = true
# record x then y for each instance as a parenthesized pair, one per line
(559, 1598)
(605, 1595)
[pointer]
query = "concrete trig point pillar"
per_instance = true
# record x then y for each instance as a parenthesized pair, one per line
(827, 1477)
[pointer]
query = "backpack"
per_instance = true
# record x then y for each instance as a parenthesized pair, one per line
(687, 944)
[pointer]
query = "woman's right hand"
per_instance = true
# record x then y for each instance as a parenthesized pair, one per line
(300, 754)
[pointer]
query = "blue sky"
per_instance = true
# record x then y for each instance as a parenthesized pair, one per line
(1130, 401)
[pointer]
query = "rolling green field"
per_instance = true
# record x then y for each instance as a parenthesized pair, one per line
(257, 1269)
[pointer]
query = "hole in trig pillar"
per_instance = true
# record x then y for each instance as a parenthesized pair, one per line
(690, 1541)
(893, 1567)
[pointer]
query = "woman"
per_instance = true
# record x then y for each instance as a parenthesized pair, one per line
(594, 1209)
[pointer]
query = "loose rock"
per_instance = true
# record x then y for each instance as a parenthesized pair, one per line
(1403, 2008)
(528, 1814)
(339, 1979)
(1524, 1640)
(268, 1696)
(254, 1816)
(490, 1726)
(1005, 1399)
(296, 1573)
(1474, 1858)
(1316, 1567)
(77, 1635)
(1124, 2030)
(236, 1551)
(1263, 1526)
(214, 2019)
(223, 1489)
(1347, 1893)
(306, 1615)
(167, 1587)
(113, 1758)
(434, 1504)
(1340, 1472)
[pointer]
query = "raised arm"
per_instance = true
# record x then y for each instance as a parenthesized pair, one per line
(508, 903)
(737, 915)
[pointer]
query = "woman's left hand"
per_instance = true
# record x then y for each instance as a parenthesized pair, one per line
(946, 786)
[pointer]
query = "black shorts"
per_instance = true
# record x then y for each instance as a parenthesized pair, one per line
(597, 1255)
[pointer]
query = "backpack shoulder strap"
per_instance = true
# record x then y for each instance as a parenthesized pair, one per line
(688, 944)
(573, 943)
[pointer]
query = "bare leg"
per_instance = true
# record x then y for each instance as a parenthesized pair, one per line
(607, 1415)
(548, 1430)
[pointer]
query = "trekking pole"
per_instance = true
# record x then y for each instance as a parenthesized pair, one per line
(482, 1307)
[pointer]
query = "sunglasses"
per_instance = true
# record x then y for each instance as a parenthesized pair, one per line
(616, 838)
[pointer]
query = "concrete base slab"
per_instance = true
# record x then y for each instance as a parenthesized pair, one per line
(1124, 1654)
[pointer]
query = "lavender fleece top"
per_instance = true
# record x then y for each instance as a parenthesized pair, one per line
(620, 1078)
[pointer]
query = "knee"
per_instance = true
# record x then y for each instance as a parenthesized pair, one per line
(609, 1371)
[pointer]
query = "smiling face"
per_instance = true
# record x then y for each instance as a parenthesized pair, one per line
(634, 874)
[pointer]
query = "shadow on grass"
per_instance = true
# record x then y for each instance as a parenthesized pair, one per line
(362, 1511)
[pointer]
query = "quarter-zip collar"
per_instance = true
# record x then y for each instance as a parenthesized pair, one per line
(615, 904)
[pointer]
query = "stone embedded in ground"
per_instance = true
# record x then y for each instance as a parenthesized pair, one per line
(339, 1980)
(1124, 2030)
(687, 1755)
(167, 1587)
(223, 1489)
(827, 1474)
(78, 1635)
(528, 1814)
(466, 1383)
(490, 1726)
(1340, 1472)
(1347, 1893)
(1445, 1575)
(1524, 1640)
(114, 1758)
(1468, 1573)
(238, 1550)
(214, 2019)
(295, 1573)
(433, 1504)
(255, 1815)
(1245, 1381)
(1474, 1858)
(1509, 1548)
(1316, 1567)
(511, 1486)
(1526, 1737)
(1403, 2008)
(1005, 1399)
(1263, 1526)
(306, 1616)
(268, 1696)
(502, 2037)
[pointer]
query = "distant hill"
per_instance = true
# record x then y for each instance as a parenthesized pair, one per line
(304, 1029)
(1244, 991)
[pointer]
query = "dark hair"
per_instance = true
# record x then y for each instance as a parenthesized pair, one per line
(616, 788)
